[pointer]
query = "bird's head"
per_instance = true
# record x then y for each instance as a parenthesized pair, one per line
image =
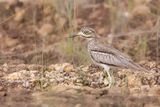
(86, 32)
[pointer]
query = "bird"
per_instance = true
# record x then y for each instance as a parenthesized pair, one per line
(105, 56)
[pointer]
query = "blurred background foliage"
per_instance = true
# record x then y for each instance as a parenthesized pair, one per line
(37, 32)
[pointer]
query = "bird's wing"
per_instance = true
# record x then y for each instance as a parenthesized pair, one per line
(110, 56)
(110, 50)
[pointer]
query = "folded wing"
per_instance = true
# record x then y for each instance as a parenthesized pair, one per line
(110, 56)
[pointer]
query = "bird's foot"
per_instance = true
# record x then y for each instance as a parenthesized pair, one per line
(109, 83)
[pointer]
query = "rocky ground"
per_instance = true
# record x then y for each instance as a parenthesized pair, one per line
(66, 85)
(41, 67)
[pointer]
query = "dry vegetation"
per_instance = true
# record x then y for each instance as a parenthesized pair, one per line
(41, 67)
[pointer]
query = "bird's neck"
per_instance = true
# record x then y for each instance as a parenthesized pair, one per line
(91, 42)
(92, 39)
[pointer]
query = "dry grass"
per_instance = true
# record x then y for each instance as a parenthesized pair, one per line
(118, 25)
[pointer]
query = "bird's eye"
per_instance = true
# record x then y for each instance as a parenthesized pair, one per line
(87, 32)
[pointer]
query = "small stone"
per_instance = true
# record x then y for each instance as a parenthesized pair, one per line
(21, 66)
(34, 67)
(19, 16)
(133, 81)
(68, 68)
(94, 84)
(26, 84)
(46, 29)
(51, 67)
(60, 80)
(57, 67)
(145, 88)
(5, 67)
(45, 85)
(78, 105)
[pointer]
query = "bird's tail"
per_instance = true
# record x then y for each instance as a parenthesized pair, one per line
(137, 67)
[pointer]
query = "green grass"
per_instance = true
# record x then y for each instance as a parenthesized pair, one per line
(70, 49)
(141, 47)
(74, 51)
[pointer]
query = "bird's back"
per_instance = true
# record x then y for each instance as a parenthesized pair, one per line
(110, 56)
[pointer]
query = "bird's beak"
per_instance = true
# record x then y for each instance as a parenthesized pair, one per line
(75, 35)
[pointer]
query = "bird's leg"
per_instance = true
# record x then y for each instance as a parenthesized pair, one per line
(110, 80)
(112, 77)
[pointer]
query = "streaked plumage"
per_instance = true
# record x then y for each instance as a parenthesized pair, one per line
(109, 56)
(106, 56)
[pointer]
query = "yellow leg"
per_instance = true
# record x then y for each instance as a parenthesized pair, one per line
(110, 77)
